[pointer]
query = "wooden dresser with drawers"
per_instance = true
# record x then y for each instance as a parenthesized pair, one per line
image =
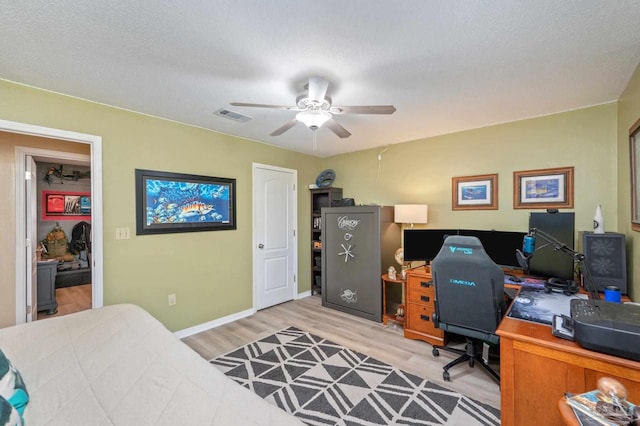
(419, 307)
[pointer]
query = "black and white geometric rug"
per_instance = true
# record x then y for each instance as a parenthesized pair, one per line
(323, 383)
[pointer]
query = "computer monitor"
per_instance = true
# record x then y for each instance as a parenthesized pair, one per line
(424, 244)
(501, 246)
(546, 261)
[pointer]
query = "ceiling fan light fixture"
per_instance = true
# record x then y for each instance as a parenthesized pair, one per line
(315, 110)
(313, 119)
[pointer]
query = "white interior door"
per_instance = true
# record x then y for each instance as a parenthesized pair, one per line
(275, 247)
(32, 238)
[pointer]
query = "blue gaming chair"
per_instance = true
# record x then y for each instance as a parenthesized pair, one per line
(469, 299)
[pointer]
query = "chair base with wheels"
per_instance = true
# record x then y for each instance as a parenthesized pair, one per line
(470, 354)
(469, 300)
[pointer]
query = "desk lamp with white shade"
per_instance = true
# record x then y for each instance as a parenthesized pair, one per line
(408, 214)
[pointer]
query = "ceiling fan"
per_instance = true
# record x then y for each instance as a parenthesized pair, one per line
(315, 109)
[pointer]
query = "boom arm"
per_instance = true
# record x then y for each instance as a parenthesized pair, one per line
(589, 284)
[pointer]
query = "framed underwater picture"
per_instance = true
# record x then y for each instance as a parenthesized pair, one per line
(177, 202)
(544, 188)
(478, 192)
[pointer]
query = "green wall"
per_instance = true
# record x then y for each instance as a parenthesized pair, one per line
(210, 272)
(420, 171)
(628, 114)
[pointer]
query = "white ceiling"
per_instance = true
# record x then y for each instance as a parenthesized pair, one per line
(447, 66)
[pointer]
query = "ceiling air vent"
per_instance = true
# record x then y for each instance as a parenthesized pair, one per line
(232, 115)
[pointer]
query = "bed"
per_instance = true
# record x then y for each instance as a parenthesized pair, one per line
(118, 365)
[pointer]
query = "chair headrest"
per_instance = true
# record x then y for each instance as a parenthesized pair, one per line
(462, 241)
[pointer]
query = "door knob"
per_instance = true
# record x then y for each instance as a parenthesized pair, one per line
(261, 246)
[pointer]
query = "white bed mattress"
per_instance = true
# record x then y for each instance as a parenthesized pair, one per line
(120, 366)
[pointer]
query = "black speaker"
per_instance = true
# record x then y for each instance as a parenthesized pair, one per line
(606, 257)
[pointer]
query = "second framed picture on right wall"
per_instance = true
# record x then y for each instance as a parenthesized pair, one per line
(543, 188)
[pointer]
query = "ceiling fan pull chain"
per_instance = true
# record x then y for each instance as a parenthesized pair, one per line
(315, 139)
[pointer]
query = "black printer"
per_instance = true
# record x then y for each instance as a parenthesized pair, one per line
(610, 328)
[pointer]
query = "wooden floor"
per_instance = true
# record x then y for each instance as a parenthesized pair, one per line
(381, 342)
(70, 299)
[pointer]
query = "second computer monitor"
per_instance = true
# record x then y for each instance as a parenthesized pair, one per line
(546, 261)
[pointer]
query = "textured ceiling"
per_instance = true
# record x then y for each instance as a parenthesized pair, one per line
(447, 66)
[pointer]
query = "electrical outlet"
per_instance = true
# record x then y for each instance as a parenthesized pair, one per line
(172, 299)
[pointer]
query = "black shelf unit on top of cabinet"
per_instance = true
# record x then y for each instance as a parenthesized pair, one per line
(320, 197)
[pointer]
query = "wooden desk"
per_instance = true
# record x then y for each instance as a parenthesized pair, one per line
(566, 414)
(537, 368)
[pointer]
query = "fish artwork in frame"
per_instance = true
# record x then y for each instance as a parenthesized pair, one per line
(177, 202)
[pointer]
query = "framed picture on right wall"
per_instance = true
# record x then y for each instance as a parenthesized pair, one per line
(543, 188)
(634, 146)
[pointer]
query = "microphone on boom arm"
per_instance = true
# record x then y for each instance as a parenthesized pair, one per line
(528, 247)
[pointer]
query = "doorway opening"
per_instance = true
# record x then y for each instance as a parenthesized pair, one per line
(25, 260)
(63, 231)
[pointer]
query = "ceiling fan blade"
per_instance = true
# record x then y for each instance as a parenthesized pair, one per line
(284, 128)
(245, 104)
(364, 109)
(317, 89)
(336, 128)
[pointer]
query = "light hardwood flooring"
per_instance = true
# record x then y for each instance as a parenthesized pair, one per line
(381, 342)
(70, 299)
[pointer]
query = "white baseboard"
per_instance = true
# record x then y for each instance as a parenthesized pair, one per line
(181, 334)
(303, 295)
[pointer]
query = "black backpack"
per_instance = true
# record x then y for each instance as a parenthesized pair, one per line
(80, 237)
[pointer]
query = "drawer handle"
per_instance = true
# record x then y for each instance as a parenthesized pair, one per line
(426, 284)
(424, 317)
(425, 298)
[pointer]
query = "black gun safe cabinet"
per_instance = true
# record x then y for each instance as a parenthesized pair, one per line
(358, 245)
